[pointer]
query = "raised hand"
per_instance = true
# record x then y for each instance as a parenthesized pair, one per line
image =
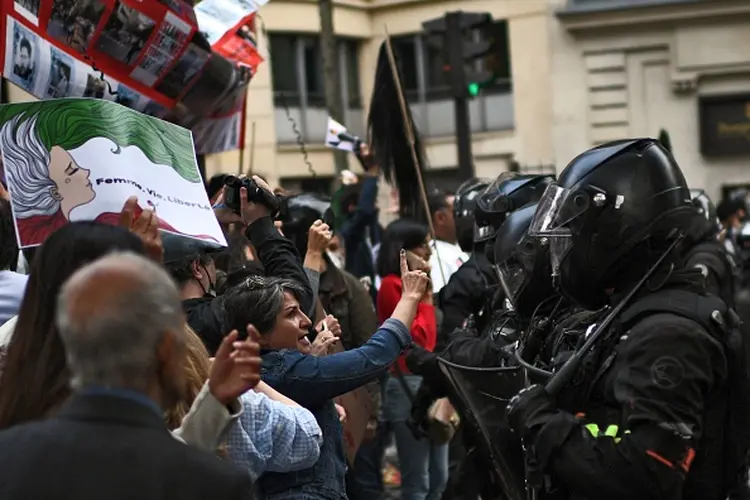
(145, 225)
(331, 324)
(323, 343)
(236, 367)
(415, 284)
(251, 211)
(417, 263)
(318, 237)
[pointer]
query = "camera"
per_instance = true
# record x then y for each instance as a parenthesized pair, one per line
(255, 194)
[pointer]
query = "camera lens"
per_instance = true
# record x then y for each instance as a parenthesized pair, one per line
(230, 180)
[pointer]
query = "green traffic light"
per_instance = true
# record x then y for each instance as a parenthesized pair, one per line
(473, 89)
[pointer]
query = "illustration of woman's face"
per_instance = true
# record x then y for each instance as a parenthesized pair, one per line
(73, 187)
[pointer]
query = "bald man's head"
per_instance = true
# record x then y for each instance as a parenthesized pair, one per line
(121, 321)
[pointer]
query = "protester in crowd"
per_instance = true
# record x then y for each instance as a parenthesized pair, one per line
(191, 264)
(195, 270)
(447, 255)
(342, 295)
(315, 381)
(731, 212)
(274, 434)
(36, 354)
(423, 465)
(197, 370)
(358, 228)
(12, 284)
(128, 307)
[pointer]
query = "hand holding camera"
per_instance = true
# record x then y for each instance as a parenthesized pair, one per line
(251, 198)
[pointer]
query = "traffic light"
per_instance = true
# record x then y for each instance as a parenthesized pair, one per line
(462, 48)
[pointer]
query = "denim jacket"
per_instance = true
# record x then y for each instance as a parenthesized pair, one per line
(314, 382)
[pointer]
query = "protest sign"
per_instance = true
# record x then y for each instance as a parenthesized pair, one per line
(80, 159)
(338, 138)
(144, 55)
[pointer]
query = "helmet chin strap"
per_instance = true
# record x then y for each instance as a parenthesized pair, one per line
(210, 285)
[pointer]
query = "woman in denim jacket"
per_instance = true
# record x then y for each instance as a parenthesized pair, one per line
(315, 381)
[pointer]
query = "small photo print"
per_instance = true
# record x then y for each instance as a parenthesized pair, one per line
(125, 34)
(29, 9)
(95, 87)
(174, 5)
(128, 97)
(25, 58)
(73, 22)
(168, 42)
(60, 74)
(188, 66)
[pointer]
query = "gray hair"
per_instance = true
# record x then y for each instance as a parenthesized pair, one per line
(257, 301)
(116, 346)
(26, 161)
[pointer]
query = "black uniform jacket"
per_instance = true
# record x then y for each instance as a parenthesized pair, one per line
(651, 425)
(469, 289)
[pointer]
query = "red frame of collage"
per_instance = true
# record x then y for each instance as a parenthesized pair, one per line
(92, 55)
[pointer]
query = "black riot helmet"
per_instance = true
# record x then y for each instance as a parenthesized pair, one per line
(522, 262)
(704, 205)
(705, 224)
(613, 211)
(299, 212)
(509, 192)
(464, 206)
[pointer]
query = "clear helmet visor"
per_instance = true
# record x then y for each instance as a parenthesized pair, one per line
(556, 215)
(512, 278)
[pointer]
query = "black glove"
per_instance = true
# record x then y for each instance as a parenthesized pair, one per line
(529, 410)
(423, 362)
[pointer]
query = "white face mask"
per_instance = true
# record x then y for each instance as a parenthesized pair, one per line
(337, 258)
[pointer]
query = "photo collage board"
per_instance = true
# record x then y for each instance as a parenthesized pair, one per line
(148, 56)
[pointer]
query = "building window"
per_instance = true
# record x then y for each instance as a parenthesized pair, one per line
(297, 69)
(406, 49)
(422, 62)
(299, 84)
(350, 70)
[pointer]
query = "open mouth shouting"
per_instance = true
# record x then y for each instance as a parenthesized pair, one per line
(303, 343)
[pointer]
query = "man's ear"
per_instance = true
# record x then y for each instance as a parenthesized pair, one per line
(197, 269)
(55, 194)
(440, 217)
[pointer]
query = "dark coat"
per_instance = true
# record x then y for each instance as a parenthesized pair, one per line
(110, 447)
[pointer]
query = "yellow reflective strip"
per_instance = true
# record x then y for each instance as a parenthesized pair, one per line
(618, 439)
(611, 431)
(593, 429)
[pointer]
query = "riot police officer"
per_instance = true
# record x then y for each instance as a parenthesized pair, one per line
(707, 254)
(471, 288)
(509, 192)
(663, 412)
